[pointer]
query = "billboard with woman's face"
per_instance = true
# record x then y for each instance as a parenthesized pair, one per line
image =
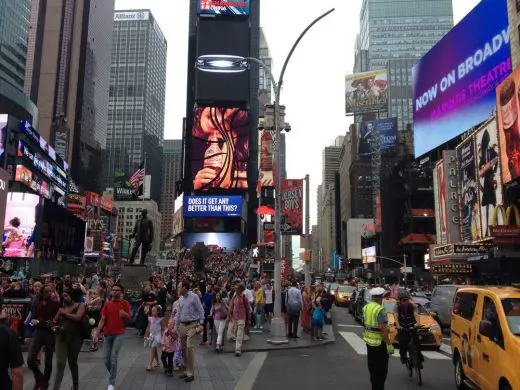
(19, 224)
(220, 149)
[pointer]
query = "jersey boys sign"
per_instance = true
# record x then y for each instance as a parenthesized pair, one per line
(292, 207)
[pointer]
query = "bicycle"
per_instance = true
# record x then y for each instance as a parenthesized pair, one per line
(413, 362)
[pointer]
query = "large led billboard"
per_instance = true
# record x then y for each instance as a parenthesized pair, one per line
(226, 241)
(455, 82)
(366, 92)
(220, 148)
(368, 255)
(223, 7)
(20, 220)
(212, 206)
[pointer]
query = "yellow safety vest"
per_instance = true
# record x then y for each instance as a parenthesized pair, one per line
(372, 335)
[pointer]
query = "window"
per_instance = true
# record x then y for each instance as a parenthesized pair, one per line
(465, 304)
(517, 6)
(489, 313)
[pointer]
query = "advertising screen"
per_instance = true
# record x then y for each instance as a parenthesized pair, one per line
(226, 241)
(366, 92)
(233, 39)
(212, 206)
(454, 82)
(369, 255)
(20, 220)
(469, 193)
(387, 129)
(220, 148)
(223, 7)
(508, 109)
(489, 174)
(47, 168)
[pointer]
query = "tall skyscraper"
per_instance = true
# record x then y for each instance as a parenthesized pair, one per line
(171, 172)
(14, 30)
(67, 76)
(402, 29)
(331, 161)
(136, 98)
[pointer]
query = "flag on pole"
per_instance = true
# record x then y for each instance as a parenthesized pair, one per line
(138, 176)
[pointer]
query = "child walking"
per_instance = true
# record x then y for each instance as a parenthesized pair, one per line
(170, 344)
(318, 320)
(154, 337)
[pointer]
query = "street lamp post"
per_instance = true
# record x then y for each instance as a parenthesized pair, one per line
(403, 264)
(233, 64)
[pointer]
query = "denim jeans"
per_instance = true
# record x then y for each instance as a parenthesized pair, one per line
(260, 314)
(43, 337)
(112, 345)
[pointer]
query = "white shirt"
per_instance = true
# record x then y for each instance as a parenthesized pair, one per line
(268, 296)
(249, 295)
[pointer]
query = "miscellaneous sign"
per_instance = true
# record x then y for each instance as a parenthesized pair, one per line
(460, 250)
(452, 268)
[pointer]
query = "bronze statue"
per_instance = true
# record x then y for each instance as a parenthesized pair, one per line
(143, 234)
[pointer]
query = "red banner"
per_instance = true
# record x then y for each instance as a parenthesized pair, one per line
(292, 207)
(106, 204)
(266, 178)
(93, 199)
(284, 268)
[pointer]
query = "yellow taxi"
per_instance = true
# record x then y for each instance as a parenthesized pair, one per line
(429, 333)
(485, 338)
(343, 295)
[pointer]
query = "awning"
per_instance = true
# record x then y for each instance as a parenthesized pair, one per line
(418, 238)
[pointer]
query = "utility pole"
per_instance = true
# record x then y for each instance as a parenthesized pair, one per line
(308, 245)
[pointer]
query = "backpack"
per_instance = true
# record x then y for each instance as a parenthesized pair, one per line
(293, 305)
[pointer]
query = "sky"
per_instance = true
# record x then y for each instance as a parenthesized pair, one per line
(314, 83)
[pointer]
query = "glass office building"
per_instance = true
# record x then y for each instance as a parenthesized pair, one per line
(136, 98)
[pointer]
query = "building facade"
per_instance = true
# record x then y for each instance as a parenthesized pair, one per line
(345, 160)
(392, 29)
(67, 76)
(128, 214)
(136, 98)
(265, 91)
(171, 173)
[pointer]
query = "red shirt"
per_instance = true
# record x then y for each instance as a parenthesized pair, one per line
(114, 323)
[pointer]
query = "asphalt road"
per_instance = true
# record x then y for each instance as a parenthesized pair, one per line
(342, 365)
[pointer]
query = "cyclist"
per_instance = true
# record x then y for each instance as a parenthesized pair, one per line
(406, 317)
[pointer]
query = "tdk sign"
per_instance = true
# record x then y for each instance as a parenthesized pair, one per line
(131, 16)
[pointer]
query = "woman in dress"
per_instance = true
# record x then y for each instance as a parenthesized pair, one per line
(154, 334)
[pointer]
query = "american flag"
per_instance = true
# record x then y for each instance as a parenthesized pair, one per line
(138, 176)
(205, 5)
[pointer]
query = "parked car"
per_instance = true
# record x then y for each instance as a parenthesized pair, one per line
(442, 303)
(485, 338)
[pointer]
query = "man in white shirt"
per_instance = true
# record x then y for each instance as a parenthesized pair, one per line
(269, 302)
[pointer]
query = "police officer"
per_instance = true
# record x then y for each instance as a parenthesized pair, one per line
(376, 338)
(406, 318)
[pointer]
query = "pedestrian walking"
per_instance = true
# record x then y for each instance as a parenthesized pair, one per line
(189, 321)
(11, 358)
(240, 316)
(153, 337)
(208, 318)
(69, 336)
(178, 360)
(376, 338)
(219, 312)
(114, 317)
(294, 305)
(318, 320)
(259, 305)
(42, 319)
(170, 344)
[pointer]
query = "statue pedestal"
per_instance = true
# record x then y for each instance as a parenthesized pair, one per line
(133, 276)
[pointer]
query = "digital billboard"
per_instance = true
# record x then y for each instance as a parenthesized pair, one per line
(212, 206)
(223, 7)
(3, 134)
(489, 174)
(220, 148)
(387, 129)
(508, 108)
(20, 220)
(454, 83)
(366, 92)
(469, 194)
(225, 241)
(369, 255)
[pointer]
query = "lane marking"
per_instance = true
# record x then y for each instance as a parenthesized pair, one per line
(446, 348)
(247, 380)
(355, 342)
(349, 326)
(434, 355)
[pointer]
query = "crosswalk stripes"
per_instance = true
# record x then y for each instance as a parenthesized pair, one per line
(358, 345)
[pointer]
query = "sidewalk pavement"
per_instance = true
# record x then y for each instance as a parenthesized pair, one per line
(212, 371)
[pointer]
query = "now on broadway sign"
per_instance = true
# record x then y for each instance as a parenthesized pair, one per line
(292, 207)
